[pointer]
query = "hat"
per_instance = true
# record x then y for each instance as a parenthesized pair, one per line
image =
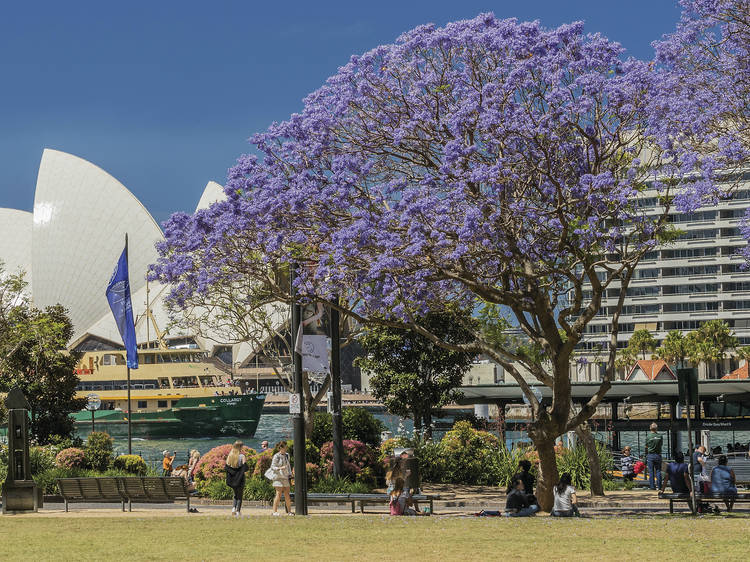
(165, 452)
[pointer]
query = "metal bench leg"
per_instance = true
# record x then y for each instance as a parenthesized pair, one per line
(432, 509)
(188, 503)
(362, 506)
(123, 505)
(66, 506)
(671, 506)
(130, 505)
(353, 507)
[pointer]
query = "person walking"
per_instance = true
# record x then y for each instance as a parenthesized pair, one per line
(654, 443)
(565, 498)
(236, 467)
(279, 474)
(195, 456)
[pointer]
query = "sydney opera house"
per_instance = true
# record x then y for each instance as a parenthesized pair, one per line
(68, 247)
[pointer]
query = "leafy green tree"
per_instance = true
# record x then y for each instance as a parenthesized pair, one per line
(358, 424)
(411, 374)
(709, 344)
(641, 342)
(33, 357)
(674, 348)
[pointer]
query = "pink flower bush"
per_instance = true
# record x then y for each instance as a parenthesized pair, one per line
(357, 457)
(211, 465)
(72, 457)
(262, 463)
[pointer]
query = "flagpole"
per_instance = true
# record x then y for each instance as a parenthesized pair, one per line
(130, 414)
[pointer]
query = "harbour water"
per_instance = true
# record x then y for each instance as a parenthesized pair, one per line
(275, 427)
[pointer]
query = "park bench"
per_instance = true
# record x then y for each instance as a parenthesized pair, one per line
(364, 499)
(683, 497)
(154, 489)
(121, 489)
(91, 490)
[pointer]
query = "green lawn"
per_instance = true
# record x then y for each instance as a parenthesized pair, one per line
(372, 538)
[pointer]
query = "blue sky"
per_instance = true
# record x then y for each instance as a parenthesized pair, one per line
(163, 94)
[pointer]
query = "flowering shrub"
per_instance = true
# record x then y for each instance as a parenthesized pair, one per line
(211, 465)
(314, 473)
(262, 463)
(72, 457)
(357, 456)
(132, 464)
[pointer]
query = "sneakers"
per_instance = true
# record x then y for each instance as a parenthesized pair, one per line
(276, 514)
(290, 513)
(234, 510)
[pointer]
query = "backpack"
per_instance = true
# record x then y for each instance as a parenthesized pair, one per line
(395, 506)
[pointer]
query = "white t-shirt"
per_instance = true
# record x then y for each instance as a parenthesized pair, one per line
(563, 501)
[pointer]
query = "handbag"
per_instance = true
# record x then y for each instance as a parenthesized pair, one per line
(270, 474)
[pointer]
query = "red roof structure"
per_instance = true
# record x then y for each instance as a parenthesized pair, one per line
(651, 368)
(741, 373)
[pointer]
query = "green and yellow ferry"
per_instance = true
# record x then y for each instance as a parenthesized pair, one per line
(174, 393)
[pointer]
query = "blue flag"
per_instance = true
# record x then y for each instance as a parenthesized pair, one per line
(118, 295)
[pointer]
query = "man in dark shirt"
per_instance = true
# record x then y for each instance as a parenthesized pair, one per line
(678, 474)
(517, 503)
(525, 476)
(653, 457)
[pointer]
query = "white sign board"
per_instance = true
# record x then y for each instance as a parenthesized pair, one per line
(294, 405)
(315, 354)
(93, 402)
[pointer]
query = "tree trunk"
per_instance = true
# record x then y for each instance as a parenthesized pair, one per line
(417, 417)
(427, 425)
(584, 434)
(548, 475)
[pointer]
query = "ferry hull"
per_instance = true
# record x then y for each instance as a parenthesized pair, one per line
(214, 416)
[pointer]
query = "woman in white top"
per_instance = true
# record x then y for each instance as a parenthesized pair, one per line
(282, 471)
(565, 498)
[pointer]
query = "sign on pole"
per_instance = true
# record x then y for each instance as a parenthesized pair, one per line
(294, 404)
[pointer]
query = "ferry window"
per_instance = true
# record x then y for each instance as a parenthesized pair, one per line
(161, 404)
(174, 403)
(142, 404)
(113, 359)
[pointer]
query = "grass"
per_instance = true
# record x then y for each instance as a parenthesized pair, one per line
(370, 538)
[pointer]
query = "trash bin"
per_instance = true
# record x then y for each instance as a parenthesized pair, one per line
(409, 467)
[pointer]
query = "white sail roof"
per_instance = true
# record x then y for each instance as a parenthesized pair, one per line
(15, 242)
(81, 216)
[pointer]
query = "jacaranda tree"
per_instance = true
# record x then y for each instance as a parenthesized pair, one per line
(488, 164)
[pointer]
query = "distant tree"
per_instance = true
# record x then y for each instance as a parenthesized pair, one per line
(674, 348)
(33, 357)
(640, 342)
(743, 353)
(709, 344)
(413, 375)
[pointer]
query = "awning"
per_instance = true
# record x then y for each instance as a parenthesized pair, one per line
(645, 391)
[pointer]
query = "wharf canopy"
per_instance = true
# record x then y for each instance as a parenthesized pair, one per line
(70, 243)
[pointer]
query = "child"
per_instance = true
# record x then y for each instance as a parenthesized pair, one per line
(627, 464)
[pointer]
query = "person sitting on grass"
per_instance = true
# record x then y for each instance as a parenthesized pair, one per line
(565, 498)
(518, 503)
(524, 475)
(678, 475)
(723, 481)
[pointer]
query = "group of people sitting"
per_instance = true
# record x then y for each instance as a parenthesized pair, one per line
(722, 479)
(521, 501)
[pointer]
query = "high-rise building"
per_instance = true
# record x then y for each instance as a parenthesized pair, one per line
(683, 284)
